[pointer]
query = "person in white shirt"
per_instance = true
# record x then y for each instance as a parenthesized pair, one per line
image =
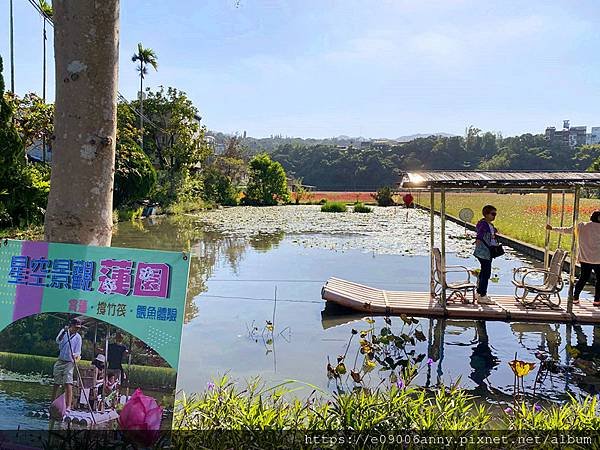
(588, 255)
(69, 345)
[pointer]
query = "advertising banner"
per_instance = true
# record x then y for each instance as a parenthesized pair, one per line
(113, 299)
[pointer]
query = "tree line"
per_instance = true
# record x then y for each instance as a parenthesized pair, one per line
(164, 159)
(335, 167)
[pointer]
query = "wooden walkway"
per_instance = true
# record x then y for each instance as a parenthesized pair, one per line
(377, 301)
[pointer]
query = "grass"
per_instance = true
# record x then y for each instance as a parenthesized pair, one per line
(522, 217)
(186, 206)
(158, 378)
(33, 232)
(226, 406)
(335, 207)
(360, 207)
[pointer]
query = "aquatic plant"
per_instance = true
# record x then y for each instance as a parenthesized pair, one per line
(360, 207)
(391, 351)
(227, 406)
(335, 207)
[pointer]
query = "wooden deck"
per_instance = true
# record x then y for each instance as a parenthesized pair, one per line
(377, 301)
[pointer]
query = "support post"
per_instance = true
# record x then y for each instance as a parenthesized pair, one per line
(573, 250)
(548, 222)
(443, 241)
(432, 241)
(562, 218)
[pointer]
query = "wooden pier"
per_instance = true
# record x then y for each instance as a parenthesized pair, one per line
(371, 300)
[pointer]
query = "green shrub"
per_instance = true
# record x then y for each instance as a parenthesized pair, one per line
(334, 207)
(135, 177)
(359, 207)
(267, 184)
(218, 188)
(384, 196)
(129, 214)
(162, 378)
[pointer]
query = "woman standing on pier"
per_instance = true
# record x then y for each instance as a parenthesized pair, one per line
(588, 253)
(484, 243)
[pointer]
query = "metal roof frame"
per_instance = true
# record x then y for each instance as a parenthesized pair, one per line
(533, 181)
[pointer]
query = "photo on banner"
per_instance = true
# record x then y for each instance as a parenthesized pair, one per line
(89, 336)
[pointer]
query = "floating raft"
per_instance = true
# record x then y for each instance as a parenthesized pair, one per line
(83, 417)
(505, 307)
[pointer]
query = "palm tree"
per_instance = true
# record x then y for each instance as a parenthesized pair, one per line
(144, 56)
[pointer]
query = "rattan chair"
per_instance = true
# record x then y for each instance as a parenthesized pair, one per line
(547, 291)
(463, 290)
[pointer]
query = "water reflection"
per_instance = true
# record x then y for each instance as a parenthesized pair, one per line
(232, 283)
(208, 248)
(482, 360)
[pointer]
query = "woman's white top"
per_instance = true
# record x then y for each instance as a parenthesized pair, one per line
(588, 239)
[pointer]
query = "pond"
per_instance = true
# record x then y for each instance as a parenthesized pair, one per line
(244, 258)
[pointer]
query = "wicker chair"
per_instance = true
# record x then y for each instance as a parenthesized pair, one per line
(458, 290)
(548, 290)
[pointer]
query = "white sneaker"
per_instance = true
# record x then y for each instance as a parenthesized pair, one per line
(484, 300)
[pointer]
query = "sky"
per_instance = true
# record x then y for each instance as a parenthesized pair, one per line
(372, 68)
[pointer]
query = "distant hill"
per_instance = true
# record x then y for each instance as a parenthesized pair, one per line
(270, 144)
(412, 137)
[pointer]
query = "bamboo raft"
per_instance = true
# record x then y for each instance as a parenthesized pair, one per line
(505, 307)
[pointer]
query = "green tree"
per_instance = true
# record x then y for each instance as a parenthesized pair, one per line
(218, 188)
(144, 57)
(23, 189)
(174, 141)
(135, 178)
(384, 196)
(33, 118)
(267, 184)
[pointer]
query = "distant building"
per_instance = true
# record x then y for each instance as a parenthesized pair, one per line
(577, 136)
(593, 138)
(572, 136)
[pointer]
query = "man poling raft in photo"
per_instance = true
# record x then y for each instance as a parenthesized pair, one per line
(69, 345)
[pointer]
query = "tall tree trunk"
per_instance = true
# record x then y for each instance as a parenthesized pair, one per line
(44, 90)
(141, 106)
(86, 43)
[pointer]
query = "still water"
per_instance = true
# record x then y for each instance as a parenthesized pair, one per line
(244, 258)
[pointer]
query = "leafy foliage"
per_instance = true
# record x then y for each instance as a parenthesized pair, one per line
(335, 207)
(174, 141)
(23, 189)
(384, 196)
(33, 119)
(144, 57)
(336, 167)
(360, 207)
(218, 188)
(135, 177)
(267, 184)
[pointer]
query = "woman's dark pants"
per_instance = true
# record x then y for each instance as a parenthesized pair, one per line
(584, 277)
(484, 276)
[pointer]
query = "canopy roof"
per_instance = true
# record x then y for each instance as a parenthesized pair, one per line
(499, 179)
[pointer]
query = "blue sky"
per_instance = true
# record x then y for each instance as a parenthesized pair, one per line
(375, 68)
